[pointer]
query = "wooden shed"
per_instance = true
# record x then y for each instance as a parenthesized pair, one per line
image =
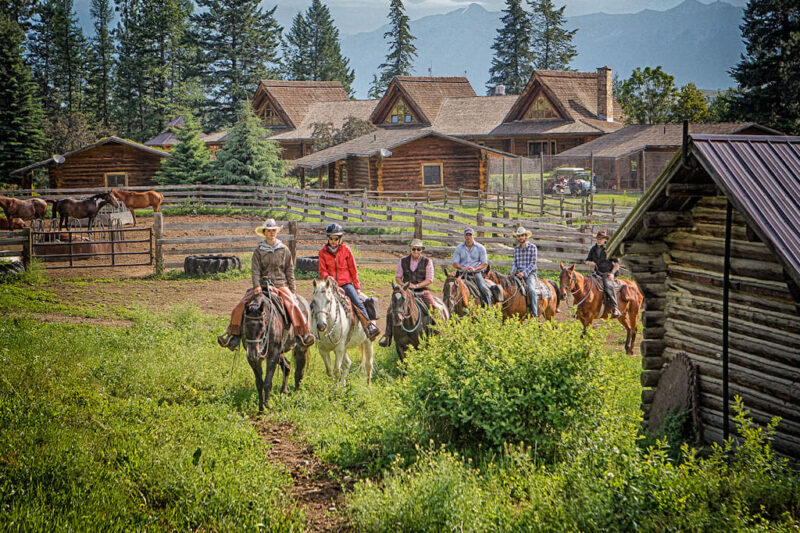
(715, 246)
(110, 162)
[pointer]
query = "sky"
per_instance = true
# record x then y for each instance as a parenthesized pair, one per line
(354, 16)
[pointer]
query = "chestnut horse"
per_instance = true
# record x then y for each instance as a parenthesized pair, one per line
(515, 302)
(24, 209)
(455, 294)
(87, 208)
(139, 200)
(588, 293)
(16, 223)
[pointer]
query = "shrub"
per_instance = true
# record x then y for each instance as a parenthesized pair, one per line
(484, 382)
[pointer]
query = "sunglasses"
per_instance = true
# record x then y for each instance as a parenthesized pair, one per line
(334, 238)
(416, 249)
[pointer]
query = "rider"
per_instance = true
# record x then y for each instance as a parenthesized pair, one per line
(271, 264)
(605, 268)
(524, 265)
(470, 257)
(417, 270)
(336, 261)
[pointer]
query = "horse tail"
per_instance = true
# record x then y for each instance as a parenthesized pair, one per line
(559, 297)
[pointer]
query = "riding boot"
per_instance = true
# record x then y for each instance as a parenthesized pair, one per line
(368, 325)
(228, 341)
(386, 340)
(305, 340)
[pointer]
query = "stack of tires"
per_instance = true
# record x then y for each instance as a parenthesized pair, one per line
(210, 264)
(9, 270)
(307, 264)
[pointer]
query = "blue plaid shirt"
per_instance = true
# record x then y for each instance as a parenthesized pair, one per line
(524, 259)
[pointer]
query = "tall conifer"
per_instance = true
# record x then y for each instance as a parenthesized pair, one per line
(192, 159)
(551, 44)
(101, 62)
(512, 63)
(400, 59)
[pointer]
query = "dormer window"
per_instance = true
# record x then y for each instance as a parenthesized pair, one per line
(270, 116)
(541, 109)
(400, 114)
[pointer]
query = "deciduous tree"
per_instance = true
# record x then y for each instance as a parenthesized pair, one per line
(647, 97)
(325, 134)
(691, 105)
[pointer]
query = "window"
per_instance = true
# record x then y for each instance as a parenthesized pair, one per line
(432, 175)
(270, 116)
(538, 148)
(400, 113)
(540, 109)
(119, 179)
(395, 119)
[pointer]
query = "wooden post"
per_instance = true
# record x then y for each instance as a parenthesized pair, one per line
(346, 203)
(27, 246)
(388, 209)
(494, 224)
(520, 206)
(460, 197)
(293, 242)
(591, 186)
(364, 205)
(541, 185)
(158, 234)
(445, 196)
(561, 207)
(479, 200)
(613, 210)
(479, 222)
(418, 224)
(428, 196)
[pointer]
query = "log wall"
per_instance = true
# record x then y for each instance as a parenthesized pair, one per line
(358, 173)
(88, 168)
(681, 275)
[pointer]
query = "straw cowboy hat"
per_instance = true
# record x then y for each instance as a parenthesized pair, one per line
(522, 231)
(268, 224)
(602, 234)
(416, 243)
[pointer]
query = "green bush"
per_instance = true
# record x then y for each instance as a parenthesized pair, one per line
(483, 382)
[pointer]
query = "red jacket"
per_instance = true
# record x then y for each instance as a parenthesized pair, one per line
(341, 266)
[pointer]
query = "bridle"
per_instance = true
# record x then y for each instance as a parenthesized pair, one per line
(410, 300)
(573, 280)
(336, 312)
(448, 298)
(260, 317)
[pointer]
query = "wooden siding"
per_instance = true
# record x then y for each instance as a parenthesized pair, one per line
(681, 276)
(403, 170)
(88, 168)
(358, 173)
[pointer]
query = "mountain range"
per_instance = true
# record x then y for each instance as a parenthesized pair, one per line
(694, 42)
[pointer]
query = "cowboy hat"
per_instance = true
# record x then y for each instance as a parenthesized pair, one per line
(268, 224)
(602, 234)
(522, 231)
(416, 243)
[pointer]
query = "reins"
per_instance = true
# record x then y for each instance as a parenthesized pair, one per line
(336, 304)
(574, 277)
(265, 340)
(409, 301)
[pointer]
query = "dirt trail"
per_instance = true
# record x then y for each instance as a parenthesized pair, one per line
(314, 489)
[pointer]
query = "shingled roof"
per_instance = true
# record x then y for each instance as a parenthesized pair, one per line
(336, 113)
(294, 99)
(637, 137)
(424, 94)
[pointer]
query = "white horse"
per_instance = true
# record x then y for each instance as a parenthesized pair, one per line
(336, 330)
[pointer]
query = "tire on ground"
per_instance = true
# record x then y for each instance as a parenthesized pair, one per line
(210, 264)
(9, 270)
(307, 264)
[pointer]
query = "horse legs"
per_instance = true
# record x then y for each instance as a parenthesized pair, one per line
(326, 358)
(366, 359)
(300, 359)
(256, 366)
(272, 364)
(346, 363)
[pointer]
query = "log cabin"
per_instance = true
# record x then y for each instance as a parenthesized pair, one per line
(715, 246)
(109, 162)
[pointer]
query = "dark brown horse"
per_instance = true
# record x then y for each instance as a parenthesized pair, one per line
(266, 337)
(86, 208)
(16, 223)
(588, 295)
(515, 302)
(411, 318)
(139, 200)
(23, 209)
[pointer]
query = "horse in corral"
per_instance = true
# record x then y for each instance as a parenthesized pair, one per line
(139, 200)
(267, 336)
(16, 223)
(337, 329)
(515, 301)
(23, 209)
(588, 292)
(86, 208)
(412, 318)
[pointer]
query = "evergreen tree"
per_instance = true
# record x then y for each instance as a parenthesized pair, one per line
(376, 89)
(551, 45)
(248, 157)
(719, 110)
(512, 62)
(691, 105)
(192, 161)
(240, 42)
(769, 71)
(647, 97)
(101, 62)
(21, 113)
(400, 59)
(313, 51)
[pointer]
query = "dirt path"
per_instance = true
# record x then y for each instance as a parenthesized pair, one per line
(317, 493)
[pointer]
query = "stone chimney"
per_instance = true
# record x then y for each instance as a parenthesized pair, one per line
(605, 99)
(500, 90)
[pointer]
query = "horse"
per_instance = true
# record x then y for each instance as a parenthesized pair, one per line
(411, 318)
(23, 209)
(337, 329)
(139, 200)
(589, 293)
(86, 208)
(266, 336)
(516, 303)
(16, 223)
(456, 294)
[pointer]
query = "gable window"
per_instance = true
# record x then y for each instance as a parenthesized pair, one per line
(432, 175)
(400, 114)
(270, 116)
(540, 109)
(116, 179)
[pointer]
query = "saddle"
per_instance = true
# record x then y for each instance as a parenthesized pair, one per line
(276, 299)
(542, 290)
(475, 292)
(370, 304)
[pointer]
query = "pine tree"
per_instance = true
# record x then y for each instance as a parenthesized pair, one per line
(21, 112)
(400, 59)
(248, 157)
(240, 42)
(192, 159)
(691, 105)
(101, 62)
(769, 72)
(512, 62)
(313, 51)
(647, 97)
(551, 45)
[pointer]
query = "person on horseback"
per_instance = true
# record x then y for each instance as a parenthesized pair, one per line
(336, 261)
(524, 267)
(417, 270)
(470, 257)
(606, 269)
(272, 264)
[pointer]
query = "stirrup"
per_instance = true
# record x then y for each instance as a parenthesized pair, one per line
(385, 341)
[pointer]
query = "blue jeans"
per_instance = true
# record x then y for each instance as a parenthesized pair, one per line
(481, 283)
(531, 282)
(352, 293)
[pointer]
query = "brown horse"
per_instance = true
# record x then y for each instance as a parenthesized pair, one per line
(86, 208)
(24, 209)
(411, 318)
(455, 294)
(516, 303)
(139, 200)
(588, 293)
(16, 223)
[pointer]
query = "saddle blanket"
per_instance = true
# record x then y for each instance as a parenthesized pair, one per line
(542, 290)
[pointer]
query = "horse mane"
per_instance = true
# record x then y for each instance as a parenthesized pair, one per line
(503, 280)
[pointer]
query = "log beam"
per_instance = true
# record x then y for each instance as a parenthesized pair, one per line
(690, 190)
